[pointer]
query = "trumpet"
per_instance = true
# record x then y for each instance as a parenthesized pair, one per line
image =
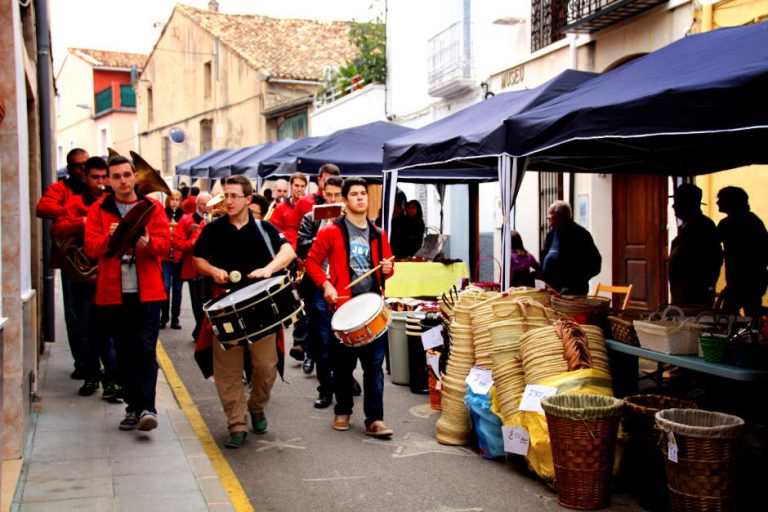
(217, 207)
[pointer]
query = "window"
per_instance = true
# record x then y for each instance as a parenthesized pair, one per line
(206, 135)
(207, 80)
(150, 113)
(292, 127)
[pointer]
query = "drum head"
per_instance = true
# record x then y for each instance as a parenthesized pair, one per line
(357, 312)
(242, 294)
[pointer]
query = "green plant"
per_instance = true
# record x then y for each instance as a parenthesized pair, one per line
(371, 39)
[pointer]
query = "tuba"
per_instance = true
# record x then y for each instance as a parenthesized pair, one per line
(74, 262)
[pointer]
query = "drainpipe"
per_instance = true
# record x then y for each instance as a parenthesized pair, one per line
(44, 77)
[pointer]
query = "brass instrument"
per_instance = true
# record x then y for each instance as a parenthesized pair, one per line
(217, 205)
(147, 178)
(74, 262)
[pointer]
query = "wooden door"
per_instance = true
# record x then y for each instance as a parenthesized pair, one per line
(640, 238)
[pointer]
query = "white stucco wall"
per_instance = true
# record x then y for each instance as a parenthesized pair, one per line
(360, 107)
(74, 124)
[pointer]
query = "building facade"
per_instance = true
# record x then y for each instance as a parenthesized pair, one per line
(230, 81)
(96, 102)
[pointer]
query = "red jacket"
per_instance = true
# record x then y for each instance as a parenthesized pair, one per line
(305, 203)
(148, 260)
(184, 238)
(332, 243)
(189, 205)
(72, 222)
(51, 204)
(286, 218)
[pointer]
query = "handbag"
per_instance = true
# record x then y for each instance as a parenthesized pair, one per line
(432, 246)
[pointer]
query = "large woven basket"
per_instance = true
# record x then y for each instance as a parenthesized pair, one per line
(585, 310)
(582, 432)
(703, 477)
(643, 464)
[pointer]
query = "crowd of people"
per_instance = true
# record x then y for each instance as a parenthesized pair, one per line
(133, 288)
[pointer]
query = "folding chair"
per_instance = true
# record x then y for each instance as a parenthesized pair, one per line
(625, 290)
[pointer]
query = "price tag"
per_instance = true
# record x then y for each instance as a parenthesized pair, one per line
(433, 360)
(516, 440)
(432, 338)
(539, 284)
(532, 397)
(671, 447)
(479, 380)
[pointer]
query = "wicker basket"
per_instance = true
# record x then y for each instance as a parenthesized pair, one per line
(585, 310)
(643, 464)
(582, 432)
(622, 330)
(704, 475)
(667, 336)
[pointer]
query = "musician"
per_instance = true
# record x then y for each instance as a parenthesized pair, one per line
(319, 336)
(305, 203)
(186, 233)
(238, 242)
(353, 246)
(130, 287)
(172, 266)
(279, 193)
(52, 206)
(96, 347)
(286, 217)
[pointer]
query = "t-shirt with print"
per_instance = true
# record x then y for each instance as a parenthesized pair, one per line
(359, 258)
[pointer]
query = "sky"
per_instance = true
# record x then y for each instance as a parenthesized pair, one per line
(134, 25)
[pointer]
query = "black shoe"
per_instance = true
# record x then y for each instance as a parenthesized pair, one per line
(163, 325)
(112, 393)
(323, 401)
(308, 366)
(130, 422)
(77, 375)
(175, 325)
(356, 389)
(297, 352)
(88, 388)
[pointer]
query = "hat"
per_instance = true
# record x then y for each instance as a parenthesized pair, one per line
(688, 193)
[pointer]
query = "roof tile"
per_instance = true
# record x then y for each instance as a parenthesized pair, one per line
(113, 59)
(284, 48)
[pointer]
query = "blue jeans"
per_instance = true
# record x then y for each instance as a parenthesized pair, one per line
(172, 283)
(371, 358)
(320, 338)
(134, 326)
(96, 347)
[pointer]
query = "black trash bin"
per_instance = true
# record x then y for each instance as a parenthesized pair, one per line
(417, 323)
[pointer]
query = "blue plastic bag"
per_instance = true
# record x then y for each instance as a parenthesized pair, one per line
(487, 425)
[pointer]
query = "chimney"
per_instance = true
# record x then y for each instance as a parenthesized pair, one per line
(213, 5)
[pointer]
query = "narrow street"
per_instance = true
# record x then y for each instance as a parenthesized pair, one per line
(301, 463)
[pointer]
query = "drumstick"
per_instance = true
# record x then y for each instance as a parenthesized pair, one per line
(374, 269)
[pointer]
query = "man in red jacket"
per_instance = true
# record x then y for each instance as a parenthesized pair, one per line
(185, 236)
(52, 206)
(93, 341)
(130, 289)
(353, 245)
(286, 217)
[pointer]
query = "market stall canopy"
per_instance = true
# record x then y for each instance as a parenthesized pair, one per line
(267, 167)
(203, 169)
(357, 151)
(224, 167)
(696, 106)
(185, 168)
(473, 137)
(249, 164)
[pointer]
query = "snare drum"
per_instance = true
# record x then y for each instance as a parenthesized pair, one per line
(361, 320)
(255, 311)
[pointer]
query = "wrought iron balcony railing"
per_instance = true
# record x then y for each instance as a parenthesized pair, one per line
(587, 16)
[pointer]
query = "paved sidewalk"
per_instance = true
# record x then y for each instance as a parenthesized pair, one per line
(78, 459)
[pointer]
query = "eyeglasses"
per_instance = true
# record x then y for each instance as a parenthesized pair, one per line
(233, 196)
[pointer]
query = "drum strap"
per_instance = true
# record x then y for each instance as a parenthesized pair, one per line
(267, 241)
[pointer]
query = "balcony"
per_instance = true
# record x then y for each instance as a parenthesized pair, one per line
(587, 16)
(449, 65)
(117, 97)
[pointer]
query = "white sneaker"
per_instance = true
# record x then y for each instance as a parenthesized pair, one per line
(147, 421)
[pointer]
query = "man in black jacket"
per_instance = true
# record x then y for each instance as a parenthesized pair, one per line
(570, 257)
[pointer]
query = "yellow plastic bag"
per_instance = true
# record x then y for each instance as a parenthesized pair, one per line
(540, 452)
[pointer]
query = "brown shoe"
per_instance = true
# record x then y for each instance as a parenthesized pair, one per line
(378, 429)
(341, 422)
